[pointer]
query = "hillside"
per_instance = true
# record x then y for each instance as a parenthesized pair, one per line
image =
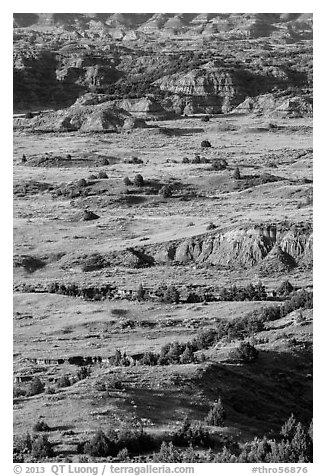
(163, 238)
(193, 63)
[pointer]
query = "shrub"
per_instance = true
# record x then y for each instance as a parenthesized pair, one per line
(140, 295)
(134, 440)
(81, 182)
(196, 160)
(211, 226)
(167, 454)
(289, 427)
(102, 175)
(83, 373)
(166, 191)
(191, 435)
(149, 358)
(205, 119)
(35, 387)
(127, 181)
(135, 160)
(50, 390)
(206, 143)
(41, 447)
(245, 353)
(139, 180)
(22, 444)
(18, 391)
(216, 414)
(187, 357)
(271, 313)
(204, 160)
(301, 299)
(219, 164)
(41, 425)
(205, 339)
(185, 160)
(285, 288)
(193, 297)
(250, 293)
(236, 174)
(123, 455)
(117, 357)
(171, 295)
(29, 115)
(100, 445)
(63, 382)
(94, 262)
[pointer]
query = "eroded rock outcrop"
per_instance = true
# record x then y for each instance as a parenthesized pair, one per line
(273, 249)
(209, 89)
(276, 105)
(103, 117)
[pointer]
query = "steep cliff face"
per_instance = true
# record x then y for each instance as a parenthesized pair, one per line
(46, 77)
(272, 248)
(210, 89)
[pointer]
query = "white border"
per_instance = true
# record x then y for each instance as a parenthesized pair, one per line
(316, 7)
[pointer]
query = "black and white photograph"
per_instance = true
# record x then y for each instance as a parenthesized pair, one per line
(162, 238)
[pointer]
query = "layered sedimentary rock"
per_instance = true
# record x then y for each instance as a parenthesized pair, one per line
(282, 106)
(250, 25)
(58, 57)
(103, 117)
(271, 248)
(211, 89)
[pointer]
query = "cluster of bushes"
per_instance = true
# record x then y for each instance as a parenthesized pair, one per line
(26, 447)
(31, 187)
(103, 445)
(198, 159)
(95, 262)
(255, 180)
(219, 164)
(176, 353)
(284, 289)
(35, 387)
(135, 441)
(166, 294)
(249, 293)
(134, 161)
(295, 445)
(216, 414)
(192, 434)
(91, 293)
(172, 353)
(238, 328)
(299, 300)
(79, 189)
(245, 353)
